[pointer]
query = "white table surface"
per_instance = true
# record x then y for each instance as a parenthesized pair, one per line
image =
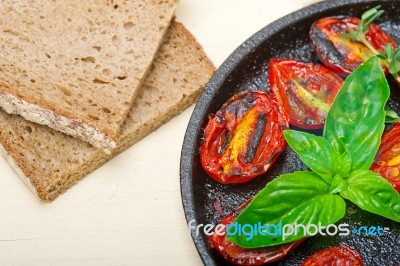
(129, 212)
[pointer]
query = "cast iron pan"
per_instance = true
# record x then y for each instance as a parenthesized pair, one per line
(247, 68)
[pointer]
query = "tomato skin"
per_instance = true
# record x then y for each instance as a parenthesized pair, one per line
(335, 256)
(339, 53)
(243, 256)
(244, 138)
(385, 161)
(305, 90)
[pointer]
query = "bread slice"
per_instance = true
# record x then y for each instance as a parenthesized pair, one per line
(50, 162)
(75, 65)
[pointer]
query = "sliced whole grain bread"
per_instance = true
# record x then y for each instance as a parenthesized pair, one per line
(50, 162)
(75, 65)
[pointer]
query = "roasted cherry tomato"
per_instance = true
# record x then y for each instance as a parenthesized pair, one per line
(306, 91)
(335, 256)
(339, 53)
(243, 256)
(387, 160)
(244, 138)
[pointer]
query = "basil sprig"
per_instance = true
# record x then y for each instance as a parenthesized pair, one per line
(389, 57)
(339, 162)
(363, 25)
(356, 121)
(392, 59)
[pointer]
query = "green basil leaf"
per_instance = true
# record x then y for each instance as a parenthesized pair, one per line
(343, 164)
(394, 66)
(299, 197)
(389, 51)
(355, 121)
(392, 57)
(338, 184)
(391, 117)
(373, 193)
(396, 54)
(314, 151)
(391, 113)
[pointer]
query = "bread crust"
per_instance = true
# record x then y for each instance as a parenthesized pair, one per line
(58, 121)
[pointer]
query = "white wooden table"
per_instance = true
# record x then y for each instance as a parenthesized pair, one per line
(129, 212)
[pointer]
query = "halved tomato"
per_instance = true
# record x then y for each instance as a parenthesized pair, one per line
(339, 53)
(244, 138)
(306, 91)
(335, 256)
(387, 160)
(243, 256)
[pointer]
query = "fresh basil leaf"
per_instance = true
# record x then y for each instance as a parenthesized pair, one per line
(394, 66)
(392, 58)
(372, 193)
(396, 54)
(338, 184)
(387, 53)
(299, 197)
(355, 121)
(314, 151)
(391, 113)
(391, 117)
(343, 164)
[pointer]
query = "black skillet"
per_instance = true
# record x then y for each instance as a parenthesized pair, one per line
(247, 68)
